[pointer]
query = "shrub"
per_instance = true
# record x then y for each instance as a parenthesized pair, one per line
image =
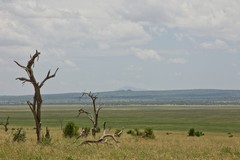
(148, 133)
(198, 134)
(19, 135)
(192, 132)
(137, 132)
(70, 130)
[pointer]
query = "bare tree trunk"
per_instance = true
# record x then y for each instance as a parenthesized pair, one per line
(35, 107)
(93, 117)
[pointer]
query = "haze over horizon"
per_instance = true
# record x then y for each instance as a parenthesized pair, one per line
(109, 44)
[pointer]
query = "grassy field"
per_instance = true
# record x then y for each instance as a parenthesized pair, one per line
(177, 146)
(215, 121)
(166, 118)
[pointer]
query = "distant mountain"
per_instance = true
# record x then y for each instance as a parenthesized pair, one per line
(205, 96)
(127, 88)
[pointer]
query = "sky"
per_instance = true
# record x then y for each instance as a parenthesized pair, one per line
(110, 44)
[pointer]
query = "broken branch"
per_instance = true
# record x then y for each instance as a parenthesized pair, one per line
(102, 138)
(48, 77)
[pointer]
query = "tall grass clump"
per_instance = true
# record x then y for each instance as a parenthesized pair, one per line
(19, 135)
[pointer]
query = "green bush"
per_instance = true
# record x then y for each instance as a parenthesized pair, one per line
(19, 135)
(148, 133)
(137, 132)
(198, 134)
(70, 130)
(192, 132)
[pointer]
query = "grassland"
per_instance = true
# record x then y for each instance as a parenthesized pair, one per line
(215, 121)
(166, 118)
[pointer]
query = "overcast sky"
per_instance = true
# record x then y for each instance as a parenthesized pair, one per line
(102, 45)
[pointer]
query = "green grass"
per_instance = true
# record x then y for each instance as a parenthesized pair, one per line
(167, 118)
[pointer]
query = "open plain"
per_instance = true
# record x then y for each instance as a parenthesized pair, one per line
(170, 124)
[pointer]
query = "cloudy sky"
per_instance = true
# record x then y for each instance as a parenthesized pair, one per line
(109, 44)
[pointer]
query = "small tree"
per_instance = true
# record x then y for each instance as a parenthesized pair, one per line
(93, 117)
(36, 105)
(5, 124)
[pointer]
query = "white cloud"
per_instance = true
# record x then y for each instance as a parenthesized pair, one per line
(69, 63)
(177, 60)
(134, 68)
(216, 18)
(217, 44)
(146, 54)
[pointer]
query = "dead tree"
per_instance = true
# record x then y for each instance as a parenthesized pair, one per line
(5, 124)
(93, 117)
(36, 105)
(102, 138)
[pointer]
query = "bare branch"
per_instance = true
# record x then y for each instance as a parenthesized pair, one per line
(89, 115)
(48, 77)
(31, 106)
(24, 80)
(99, 108)
(20, 65)
(119, 133)
(90, 95)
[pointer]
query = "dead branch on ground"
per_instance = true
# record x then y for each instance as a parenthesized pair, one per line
(102, 138)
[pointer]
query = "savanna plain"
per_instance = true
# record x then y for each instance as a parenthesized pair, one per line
(171, 123)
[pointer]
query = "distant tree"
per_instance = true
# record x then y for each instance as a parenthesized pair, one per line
(92, 116)
(36, 105)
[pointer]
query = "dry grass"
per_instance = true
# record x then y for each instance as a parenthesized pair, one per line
(174, 146)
